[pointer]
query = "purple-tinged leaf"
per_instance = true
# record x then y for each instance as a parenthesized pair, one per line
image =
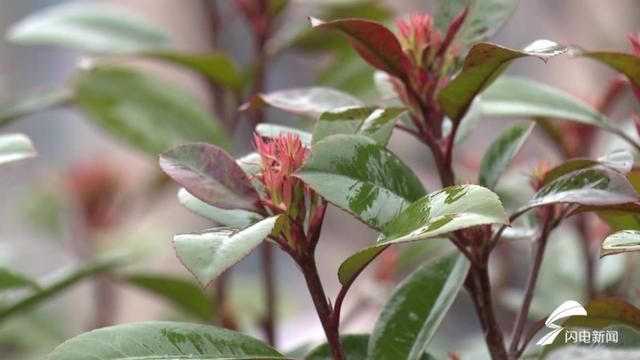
(211, 175)
(482, 65)
(376, 44)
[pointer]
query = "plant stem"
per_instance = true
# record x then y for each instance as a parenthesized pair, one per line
(539, 246)
(479, 287)
(330, 323)
(268, 268)
(590, 266)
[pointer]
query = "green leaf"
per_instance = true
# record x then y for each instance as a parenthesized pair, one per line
(211, 175)
(436, 214)
(163, 340)
(482, 65)
(621, 161)
(354, 345)
(361, 177)
(34, 102)
(183, 294)
(10, 280)
(376, 44)
(209, 253)
(93, 27)
(591, 186)
(501, 152)
(621, 242)
(484, 19)
(375, 123)
(62, 283)
(514, 96)
(625, 63)
(143, 110)
(412, 315)
(606, 312)
(273, 130)
(310, 101)
(225, 217)
(218, 68)
(15, 147)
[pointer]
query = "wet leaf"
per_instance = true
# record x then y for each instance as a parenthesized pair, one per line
(143, 110)
(625, 63)
(436, 214)
(209, 253)
(621, 242)
(183, 294)
(517, 97)
(310, 102)
(211, 175)
(163, 340)
(90, 26)
(15, 147)
(414, 311)
(376, 44)
(224, 217)
(501, 152)
(354, 345)
(361, 177)
(218, 68)
(273, 130)
(482, 66)
(10, 280)
(34, 102)
(591, 186)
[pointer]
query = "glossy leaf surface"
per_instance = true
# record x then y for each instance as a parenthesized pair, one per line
(143, 110)
(411, 316)
(501, 152)
(218, 68)
(482, 65)
(354, 345)
(439, 213)
(88, 26)
(361, 177)
(209, 253)
(14, 147)
(163, 340)
(33, 102)
(310, 101)
(210, 174)
(225, 217)
(592, 186)
(183, 294)
(12, 280)
(374, 43)
(621, 242)
(518, 97)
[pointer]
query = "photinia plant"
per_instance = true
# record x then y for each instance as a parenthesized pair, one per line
(438, 78)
